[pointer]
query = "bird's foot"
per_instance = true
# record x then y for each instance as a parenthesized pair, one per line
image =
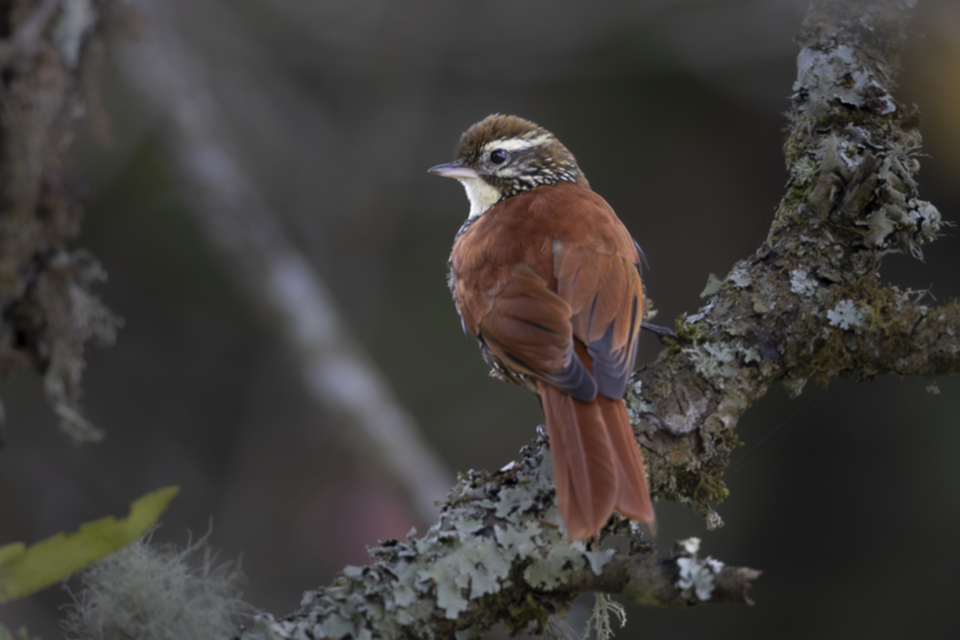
(657, 330)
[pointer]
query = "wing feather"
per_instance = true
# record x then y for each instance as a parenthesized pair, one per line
(606, 300)
(528, 327)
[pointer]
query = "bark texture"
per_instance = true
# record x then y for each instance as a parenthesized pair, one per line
(809, 302)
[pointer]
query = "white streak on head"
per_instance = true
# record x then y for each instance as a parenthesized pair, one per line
(517, 144)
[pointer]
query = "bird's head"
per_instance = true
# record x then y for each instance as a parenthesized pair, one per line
(501, 156)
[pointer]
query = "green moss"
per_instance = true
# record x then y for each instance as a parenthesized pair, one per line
(530, 609)
(795, 146)
(711, 489)
(701, 486)
(838, 118)
(687, 334)
(796, 194)
(832, 352)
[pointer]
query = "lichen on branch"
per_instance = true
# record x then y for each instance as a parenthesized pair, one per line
(498, 554)
(809, 303)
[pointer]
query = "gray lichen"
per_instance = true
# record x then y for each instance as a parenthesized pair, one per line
(157, 592)
(740, 278)
(489, 535)
(847, 314)
(604, 610)
(498, 553)
(801, 283)
(698, 576)
(835, 74)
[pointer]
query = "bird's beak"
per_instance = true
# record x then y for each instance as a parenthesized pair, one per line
(454, 170)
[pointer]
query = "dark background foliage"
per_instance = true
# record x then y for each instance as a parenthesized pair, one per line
(847, 497)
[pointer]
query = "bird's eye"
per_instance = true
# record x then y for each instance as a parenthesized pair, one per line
(498, 156)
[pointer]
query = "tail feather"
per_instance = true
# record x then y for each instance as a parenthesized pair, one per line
(633, 496)
(584, 466)
(596, 464)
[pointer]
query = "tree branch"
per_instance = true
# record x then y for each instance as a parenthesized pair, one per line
(497, 554)
(808, 303)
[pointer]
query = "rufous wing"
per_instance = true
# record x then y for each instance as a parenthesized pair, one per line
(605, 295)
(528, 329)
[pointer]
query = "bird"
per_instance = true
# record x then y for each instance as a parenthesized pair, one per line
(547, 279)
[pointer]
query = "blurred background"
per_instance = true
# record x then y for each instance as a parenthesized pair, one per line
(846, 497)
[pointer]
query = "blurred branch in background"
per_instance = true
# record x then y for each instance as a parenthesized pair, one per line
(248, 234)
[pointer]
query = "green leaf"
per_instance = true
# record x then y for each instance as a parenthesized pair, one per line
(24, 570)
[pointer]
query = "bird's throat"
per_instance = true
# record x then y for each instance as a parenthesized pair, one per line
(482, 196)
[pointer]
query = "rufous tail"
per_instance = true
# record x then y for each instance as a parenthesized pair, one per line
(633, 496)
(596, 463)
